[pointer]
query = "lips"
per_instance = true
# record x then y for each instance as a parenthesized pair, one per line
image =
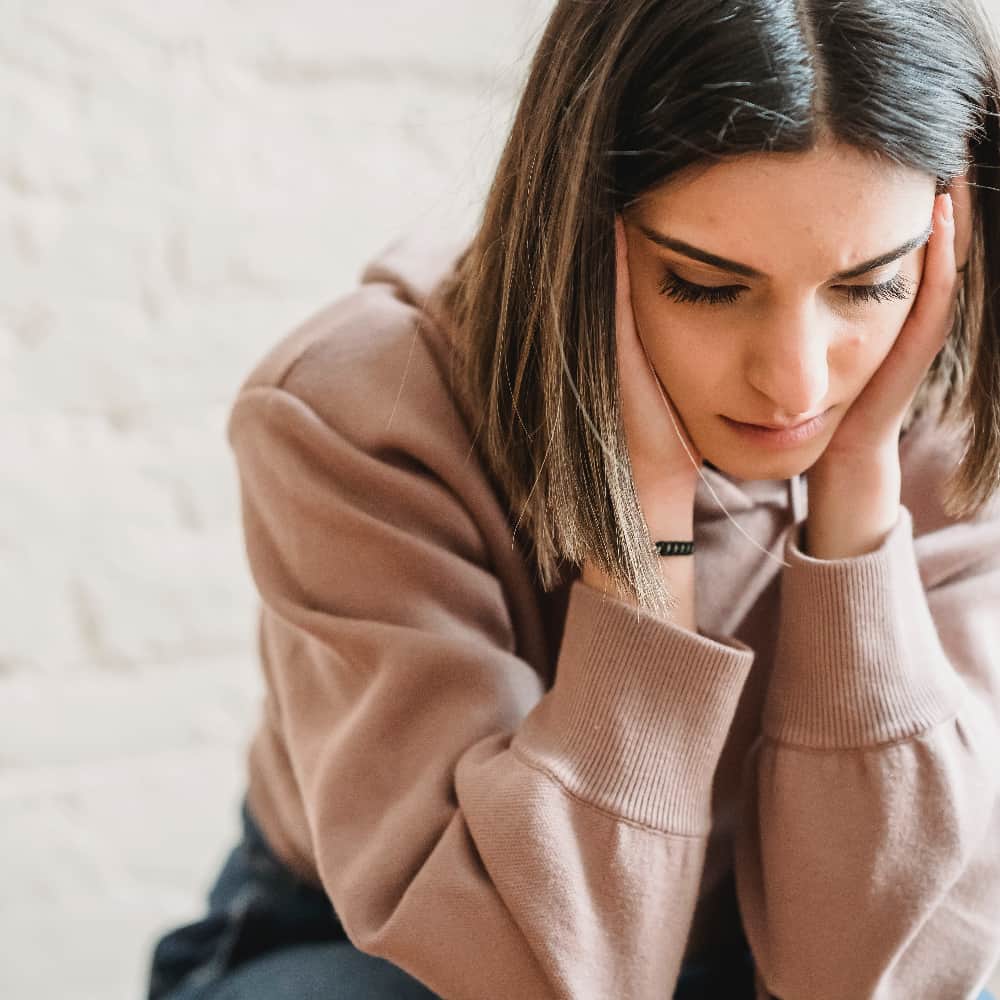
(783, 437)
(777, 427)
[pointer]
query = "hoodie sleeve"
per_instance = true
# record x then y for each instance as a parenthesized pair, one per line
(493, 838)
(867, 857)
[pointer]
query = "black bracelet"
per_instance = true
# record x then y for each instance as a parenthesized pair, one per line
(674, 548)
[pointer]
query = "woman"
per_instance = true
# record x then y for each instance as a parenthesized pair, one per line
(512, 747)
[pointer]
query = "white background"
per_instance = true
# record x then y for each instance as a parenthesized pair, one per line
(180, 184)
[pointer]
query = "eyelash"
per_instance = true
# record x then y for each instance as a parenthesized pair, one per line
(897, 288)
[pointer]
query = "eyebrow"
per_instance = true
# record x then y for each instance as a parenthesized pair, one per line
(695, 253)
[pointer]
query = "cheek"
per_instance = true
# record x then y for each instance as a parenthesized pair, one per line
(669, 329)
(665, 338)
(864, 346)
(683, 350)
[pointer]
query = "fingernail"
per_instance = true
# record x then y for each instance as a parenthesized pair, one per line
(947, 210)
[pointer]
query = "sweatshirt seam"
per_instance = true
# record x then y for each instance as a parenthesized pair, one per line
(618, 818)
(883, 745)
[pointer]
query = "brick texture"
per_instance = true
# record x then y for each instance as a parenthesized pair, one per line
(179, 184)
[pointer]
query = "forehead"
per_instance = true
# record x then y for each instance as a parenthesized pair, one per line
(819, 211)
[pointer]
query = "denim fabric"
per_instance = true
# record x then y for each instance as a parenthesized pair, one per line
(267, 935)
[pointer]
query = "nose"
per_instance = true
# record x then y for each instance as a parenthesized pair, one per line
(788, 363)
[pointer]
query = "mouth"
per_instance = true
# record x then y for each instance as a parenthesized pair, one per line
(781, 436)
(778, 427)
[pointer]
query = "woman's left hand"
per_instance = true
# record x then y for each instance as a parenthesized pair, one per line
(855, 486)
(869, 431)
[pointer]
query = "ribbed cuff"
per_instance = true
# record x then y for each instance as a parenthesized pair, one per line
(858, 659)
(638, 714)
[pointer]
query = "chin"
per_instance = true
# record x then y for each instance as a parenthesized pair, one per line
(749, 468)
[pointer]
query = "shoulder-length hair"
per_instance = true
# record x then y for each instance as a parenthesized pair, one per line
(621, 94)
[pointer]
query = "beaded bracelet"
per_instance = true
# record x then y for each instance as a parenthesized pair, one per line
(674, 548)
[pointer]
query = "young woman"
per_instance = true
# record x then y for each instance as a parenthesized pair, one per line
(630, 574)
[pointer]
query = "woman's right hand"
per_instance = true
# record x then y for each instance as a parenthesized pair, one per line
(665, 476)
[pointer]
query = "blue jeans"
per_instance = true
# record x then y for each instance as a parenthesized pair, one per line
(268, 935)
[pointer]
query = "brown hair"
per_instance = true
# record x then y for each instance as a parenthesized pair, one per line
(622, 94)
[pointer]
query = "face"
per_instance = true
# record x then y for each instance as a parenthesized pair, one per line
(779, 330)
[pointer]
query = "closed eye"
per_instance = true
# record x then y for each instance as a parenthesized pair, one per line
(895, 289)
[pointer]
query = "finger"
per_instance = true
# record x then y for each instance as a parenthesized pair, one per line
(624, 323)
(629, 345)
(646, 393)
(961, 196)
(932, 312)
(925, 330)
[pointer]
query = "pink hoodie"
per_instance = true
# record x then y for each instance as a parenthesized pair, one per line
(513, 794)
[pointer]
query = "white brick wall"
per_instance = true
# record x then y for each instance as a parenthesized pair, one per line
(180, 183)
(186, 181)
